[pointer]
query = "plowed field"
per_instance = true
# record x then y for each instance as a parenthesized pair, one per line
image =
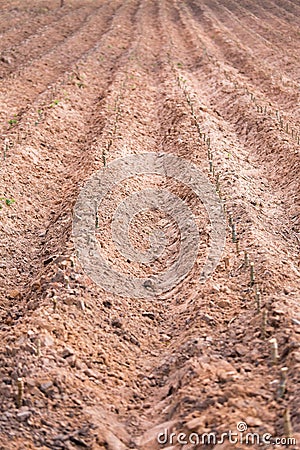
(212, 83)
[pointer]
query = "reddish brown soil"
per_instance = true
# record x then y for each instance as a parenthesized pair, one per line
(96, 80)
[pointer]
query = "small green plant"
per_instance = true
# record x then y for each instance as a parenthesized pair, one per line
(12, 122)
(20, 384)
(233, 233)
(246, 259)
(54, 103)
(104, 154)
(218, 182)
(6, 146)
(252, 275)
(288, 429)
(274, 350)
(257, 298)
(264, 324)
(6, 201)
(9, 201)
(54, 303)
(40, 114)
(38, 347)
(283, 381)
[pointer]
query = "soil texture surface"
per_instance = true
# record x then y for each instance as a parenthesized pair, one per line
(214, 83)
